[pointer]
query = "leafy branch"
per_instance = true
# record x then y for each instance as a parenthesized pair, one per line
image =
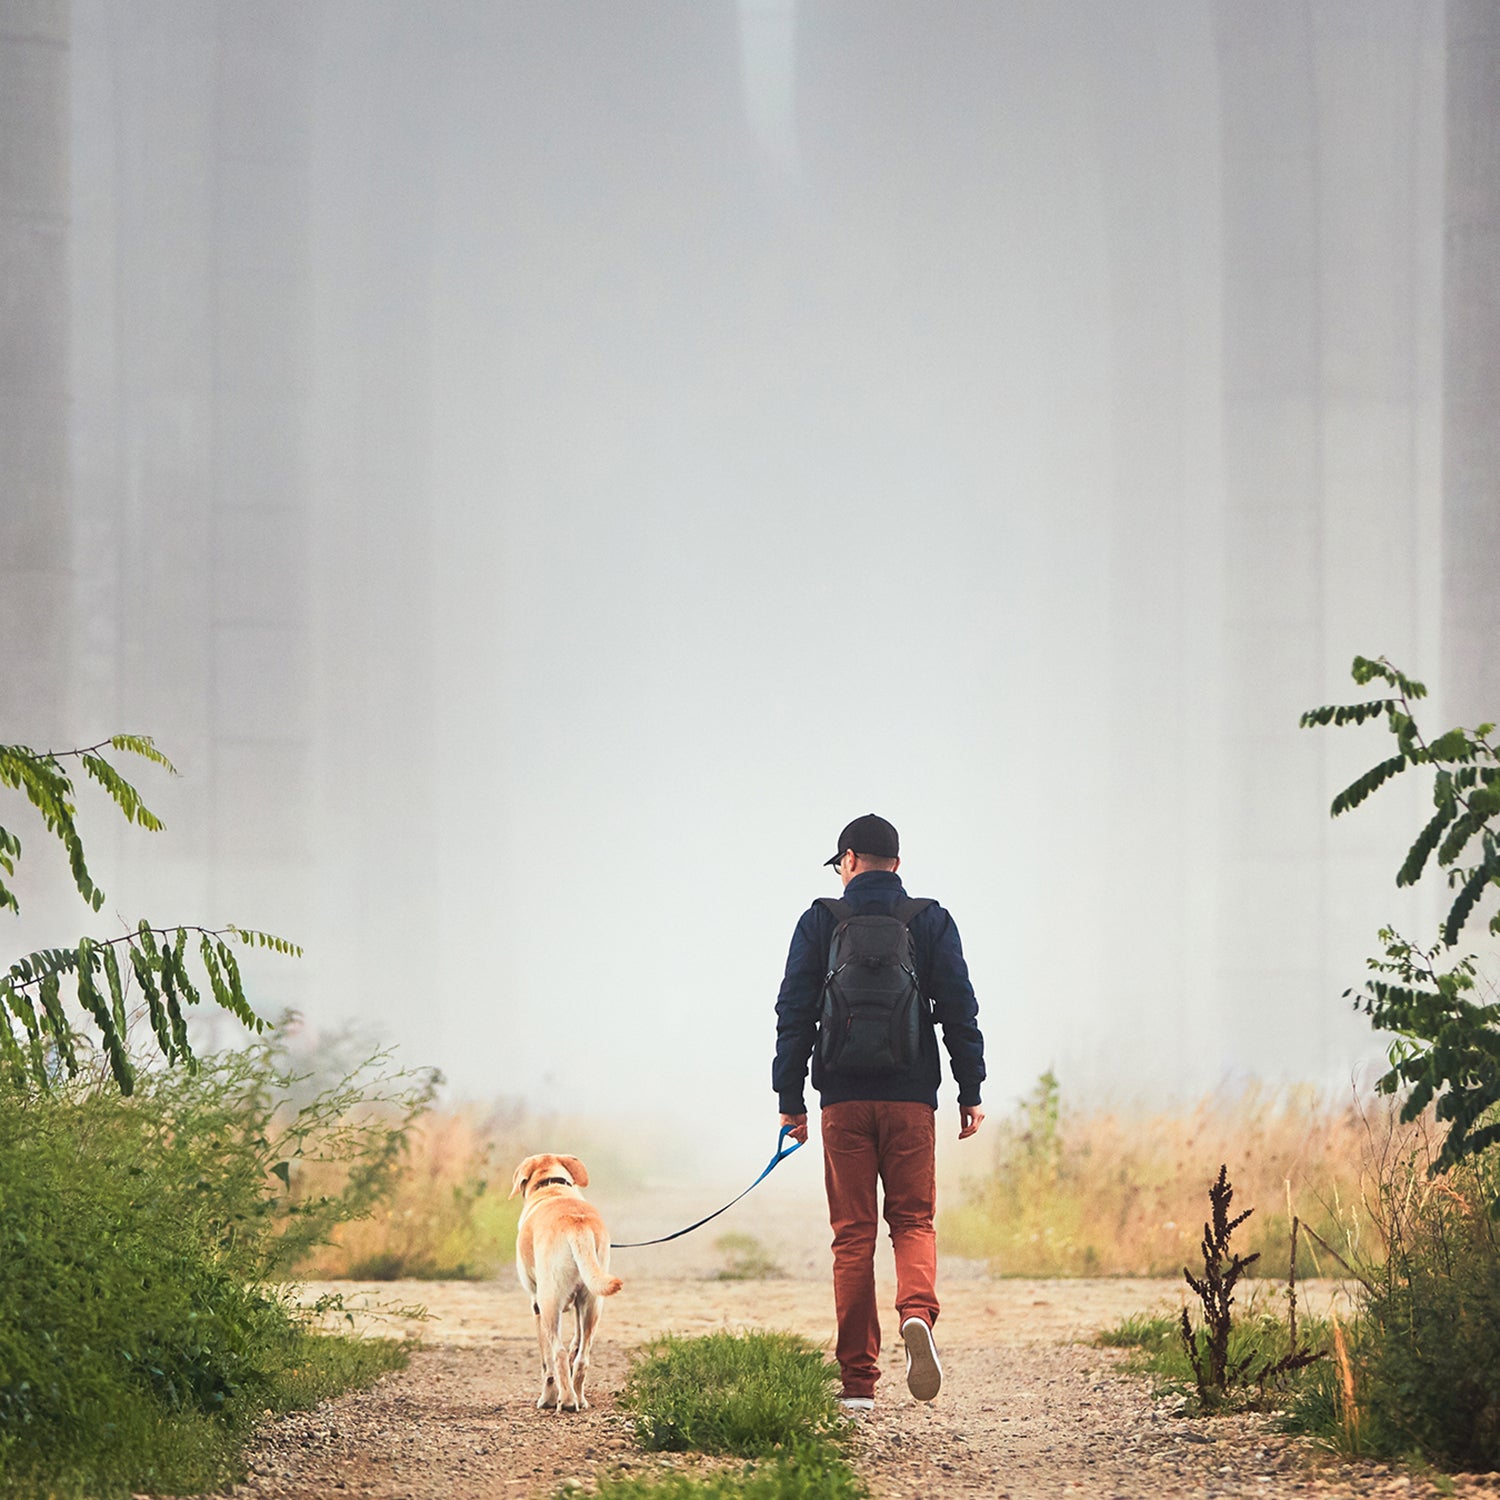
(1447, 1046)
(37, 1041)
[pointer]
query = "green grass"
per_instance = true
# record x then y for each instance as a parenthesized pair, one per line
(1258, 1340)
(768, 1397)
(809, 1472)
(745, 1394)
(1149, 1334)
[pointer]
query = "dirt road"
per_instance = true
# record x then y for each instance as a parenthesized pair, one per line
(1028, 1408)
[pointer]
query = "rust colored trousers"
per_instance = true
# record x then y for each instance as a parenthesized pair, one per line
(865, 1141)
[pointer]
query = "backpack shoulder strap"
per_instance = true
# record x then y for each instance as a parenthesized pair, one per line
(838, 910)
(910, 907)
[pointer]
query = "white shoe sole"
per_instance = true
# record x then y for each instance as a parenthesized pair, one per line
(924, 1375)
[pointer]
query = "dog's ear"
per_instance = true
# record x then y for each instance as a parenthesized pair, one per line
(524, 1171)
(576, 1170)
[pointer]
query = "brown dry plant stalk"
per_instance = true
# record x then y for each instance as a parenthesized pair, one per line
(1348, 1400)
(1222, 1269)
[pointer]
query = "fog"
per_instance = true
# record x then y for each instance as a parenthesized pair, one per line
(540, 470)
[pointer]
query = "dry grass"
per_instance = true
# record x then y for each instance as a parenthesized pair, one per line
(1115, 1193)
(1068, 1193)
(450, 1216)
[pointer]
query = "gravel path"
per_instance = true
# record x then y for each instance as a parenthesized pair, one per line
(1028, 1409)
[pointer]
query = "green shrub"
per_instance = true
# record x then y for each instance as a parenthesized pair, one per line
(140, 1335)
(747, 1394)
(1421, 1372)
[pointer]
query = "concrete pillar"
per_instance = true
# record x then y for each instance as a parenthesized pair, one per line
(1471, 367)
(1328, 120)
(35, 580)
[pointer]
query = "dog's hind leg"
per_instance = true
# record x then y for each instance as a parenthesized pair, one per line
(589, 1307)
(556, 1356)
(548, 1350)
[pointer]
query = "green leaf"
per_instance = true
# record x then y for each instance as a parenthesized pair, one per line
(145, 747)
(35, 1037)
(57, 1023)
(12, 1055)
(155, 1010)
(1426, 841)
(178, 951)
(93, 1002)
(125, 795)
(1376, 776)
(1468, 898)
(1455, 745)
(1366, 670)
(1461, 832)
(116, 989)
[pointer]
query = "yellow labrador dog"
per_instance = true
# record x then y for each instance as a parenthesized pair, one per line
(562, 1259)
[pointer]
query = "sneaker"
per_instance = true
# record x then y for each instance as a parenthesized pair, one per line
(856, 1408)
(924, 1375)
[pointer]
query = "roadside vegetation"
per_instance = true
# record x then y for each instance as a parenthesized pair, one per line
(445, 1215)
(147, 1214)
(1217, 1360)
(1416, 1372)
(1413, 1374)
(767, 1399)
(144, 1329)
(1419, 1371)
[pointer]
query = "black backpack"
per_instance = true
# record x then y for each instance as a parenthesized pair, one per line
(869, 1020)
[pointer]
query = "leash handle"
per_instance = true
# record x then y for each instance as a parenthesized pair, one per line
(782, 1152)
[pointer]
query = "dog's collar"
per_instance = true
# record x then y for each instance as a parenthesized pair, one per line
(551, 1182)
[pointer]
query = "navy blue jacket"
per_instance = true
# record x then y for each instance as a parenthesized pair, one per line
(944, 977)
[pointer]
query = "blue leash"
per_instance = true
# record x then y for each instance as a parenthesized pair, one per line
(782, 1152)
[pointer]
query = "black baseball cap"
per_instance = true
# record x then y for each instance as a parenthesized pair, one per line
(868, 835)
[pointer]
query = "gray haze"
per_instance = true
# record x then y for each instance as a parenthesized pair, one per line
(540, 469)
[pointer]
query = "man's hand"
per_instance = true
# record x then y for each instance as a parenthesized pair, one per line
(798, 1124)
(970, 1118)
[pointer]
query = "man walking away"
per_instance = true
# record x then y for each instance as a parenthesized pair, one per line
(869, 979)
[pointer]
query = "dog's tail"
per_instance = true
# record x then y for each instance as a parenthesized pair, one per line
(595, 1277)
